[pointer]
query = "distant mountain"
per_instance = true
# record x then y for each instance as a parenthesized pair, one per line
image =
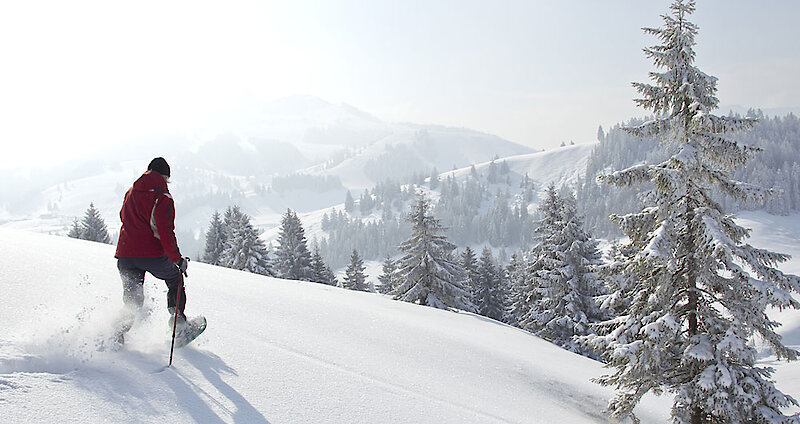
(299, 152)
(311, 120)
(418, 149)
(490, 203)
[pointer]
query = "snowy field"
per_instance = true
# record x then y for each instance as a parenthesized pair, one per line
(281, 351)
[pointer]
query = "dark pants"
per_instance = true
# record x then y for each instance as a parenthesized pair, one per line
(132, 271)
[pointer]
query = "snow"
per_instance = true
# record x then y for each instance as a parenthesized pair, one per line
(106, 185)
(288, 352)
(559, 166)
(275, 351)
(780, 234)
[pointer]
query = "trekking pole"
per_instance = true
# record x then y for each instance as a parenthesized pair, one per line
(175, 321)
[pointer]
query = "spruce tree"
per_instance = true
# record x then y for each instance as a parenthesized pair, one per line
(569, 288)
(244, 250)
(321, 273)
(429, 276)
(469, 263)
(388, 277)
(490, 298)
(92, 227)
(292, 258)
(354, 278)
(434, 179)
(700, 292)
(215, 240)
(76, 231)
(518, 292)
(529, 308)
(349, 203)
(231, 220)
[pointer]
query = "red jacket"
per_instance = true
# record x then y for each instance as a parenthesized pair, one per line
(148, 220)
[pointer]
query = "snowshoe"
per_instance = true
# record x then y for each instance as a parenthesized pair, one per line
(116, 340)
(189, 330)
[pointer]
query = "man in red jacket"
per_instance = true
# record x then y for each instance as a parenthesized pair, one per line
(147, 243)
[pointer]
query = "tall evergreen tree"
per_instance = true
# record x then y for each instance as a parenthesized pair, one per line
(529, 307)
(320, 270)
(518, 292)
(92, 227)
(244, 250)
(354, 278)
(215, 240)
(490, 298)
(75, 231)
(292, 258)
(231, 219)
(388, 277)
(469, 263)
(700, 292)
(569, 288)
(429, 276)
(619, 285)
(434, 179)
(349, 203)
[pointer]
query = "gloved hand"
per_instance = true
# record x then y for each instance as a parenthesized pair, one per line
(182, 264)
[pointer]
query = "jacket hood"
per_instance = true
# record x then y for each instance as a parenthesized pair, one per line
(151, 180)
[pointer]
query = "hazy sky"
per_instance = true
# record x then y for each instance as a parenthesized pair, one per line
(77, 74)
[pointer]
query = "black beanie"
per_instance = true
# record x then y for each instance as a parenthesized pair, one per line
(159, 165)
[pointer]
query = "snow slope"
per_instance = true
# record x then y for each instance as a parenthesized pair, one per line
(558, 166)
(418, 149)
(275, 351)
(286, 352)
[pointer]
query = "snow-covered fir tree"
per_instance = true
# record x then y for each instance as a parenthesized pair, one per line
(469, 263)
(292, 258)
(354, 278)
(700, 293)
(388, 277)
(778, 167)
(518, 291)
(322, 273)
(429, 275)
(433, 182)
(215, 240)
(75, 231)
(568, 288)
(619, 284)
(528, 288)
(349, 203)
(244, 250)
(92, 227)
(490, 296)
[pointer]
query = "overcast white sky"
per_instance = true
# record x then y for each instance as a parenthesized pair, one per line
(78, 73)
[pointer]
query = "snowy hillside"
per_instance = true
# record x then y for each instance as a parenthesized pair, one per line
(299, 140)
(287, 352)
(558, 166)
(275, 351)
(199, 191)
(413, 149)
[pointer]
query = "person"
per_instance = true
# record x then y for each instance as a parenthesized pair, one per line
(147, 243)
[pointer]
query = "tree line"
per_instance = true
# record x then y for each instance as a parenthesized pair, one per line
(551, 290)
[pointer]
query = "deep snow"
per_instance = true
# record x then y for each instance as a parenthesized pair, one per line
(286, 352)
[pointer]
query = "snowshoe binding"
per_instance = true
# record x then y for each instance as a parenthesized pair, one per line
(188, 330)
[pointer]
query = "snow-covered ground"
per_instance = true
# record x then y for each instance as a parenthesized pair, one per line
(558, 166)
(287, 352)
